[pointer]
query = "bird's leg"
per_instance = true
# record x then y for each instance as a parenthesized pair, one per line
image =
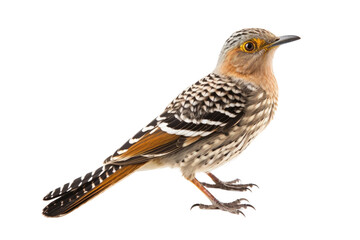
(232, 185)
(232, 207)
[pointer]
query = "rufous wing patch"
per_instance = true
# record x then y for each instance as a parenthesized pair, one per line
(148, 143)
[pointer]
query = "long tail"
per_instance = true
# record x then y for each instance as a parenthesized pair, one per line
(72, 195)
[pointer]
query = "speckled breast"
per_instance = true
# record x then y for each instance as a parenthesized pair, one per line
(224, 146)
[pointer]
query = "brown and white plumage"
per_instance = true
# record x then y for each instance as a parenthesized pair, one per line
(208, 124)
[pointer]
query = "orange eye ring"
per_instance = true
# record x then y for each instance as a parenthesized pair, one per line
(249, 46)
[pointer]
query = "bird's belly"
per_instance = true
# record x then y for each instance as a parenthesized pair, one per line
(215, 157)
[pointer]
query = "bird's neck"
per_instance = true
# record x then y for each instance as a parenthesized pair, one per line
(258, 73)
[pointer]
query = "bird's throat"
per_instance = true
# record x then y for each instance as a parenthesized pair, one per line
(257, 71)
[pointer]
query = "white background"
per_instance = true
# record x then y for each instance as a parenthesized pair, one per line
(78, 78)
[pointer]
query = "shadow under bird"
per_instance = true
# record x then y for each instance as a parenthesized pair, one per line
(205, 126)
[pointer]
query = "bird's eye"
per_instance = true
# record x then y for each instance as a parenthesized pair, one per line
(249, 46)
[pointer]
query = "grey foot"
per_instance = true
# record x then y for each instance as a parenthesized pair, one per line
(232, 207)
(231, 185)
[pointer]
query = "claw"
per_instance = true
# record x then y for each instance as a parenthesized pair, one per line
(204, 206)
(241, 213)
(243, 199)
(195, 205)
(251, 206)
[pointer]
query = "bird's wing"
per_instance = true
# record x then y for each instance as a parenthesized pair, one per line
(210, 105)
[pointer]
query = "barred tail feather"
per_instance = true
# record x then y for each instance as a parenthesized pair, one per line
(73, 195)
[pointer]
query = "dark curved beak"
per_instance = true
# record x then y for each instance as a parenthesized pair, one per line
(284, 39)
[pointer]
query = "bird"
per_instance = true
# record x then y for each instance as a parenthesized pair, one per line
(205, 126)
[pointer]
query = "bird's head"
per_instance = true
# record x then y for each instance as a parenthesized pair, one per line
(247, 54)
